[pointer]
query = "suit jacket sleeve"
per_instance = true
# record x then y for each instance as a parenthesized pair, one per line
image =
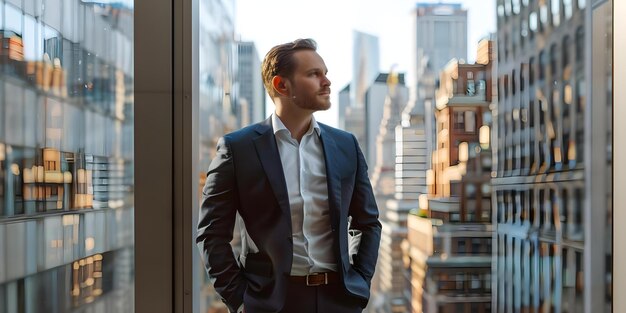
(215, 228)
(364, 214)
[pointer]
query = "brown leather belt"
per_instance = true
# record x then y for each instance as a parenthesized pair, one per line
(316, 279)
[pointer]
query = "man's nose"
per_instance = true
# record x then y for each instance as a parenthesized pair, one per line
(326, 81)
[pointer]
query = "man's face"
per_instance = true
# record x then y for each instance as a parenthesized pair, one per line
(309, 86)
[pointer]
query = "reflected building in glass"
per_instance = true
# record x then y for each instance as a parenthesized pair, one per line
(251, 108)
(218, 114)
(66, 156)
(552, 177)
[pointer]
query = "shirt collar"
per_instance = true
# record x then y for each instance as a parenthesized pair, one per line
(277, 126)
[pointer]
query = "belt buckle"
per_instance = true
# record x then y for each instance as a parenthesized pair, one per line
(317, 284)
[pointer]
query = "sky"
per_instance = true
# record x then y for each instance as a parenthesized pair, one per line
(331, 23)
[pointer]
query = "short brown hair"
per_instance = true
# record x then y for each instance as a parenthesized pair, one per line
(279, 61)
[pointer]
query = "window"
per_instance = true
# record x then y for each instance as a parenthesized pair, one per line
(543, 63)
(516, 7)
(471, 86)
(566, 57)
(477, 245)
(470, 122)
(531, 71)
(442, 34)
(532, 22)
(553, 61)
(513, 83)
(459, 120)
(580, 45)
(455, 217)
(556, 12)
(543, 14)
(568, 8)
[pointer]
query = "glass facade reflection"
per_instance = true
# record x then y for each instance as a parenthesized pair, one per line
(217, 115)
(66, 156)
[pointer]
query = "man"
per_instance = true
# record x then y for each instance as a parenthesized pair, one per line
(292, 183)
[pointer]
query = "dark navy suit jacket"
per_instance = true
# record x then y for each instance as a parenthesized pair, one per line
(246, 176)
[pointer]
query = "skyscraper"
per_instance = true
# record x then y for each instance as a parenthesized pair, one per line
(552, 190)
(355, 116)
(440, 34)
(389, 282)
(365, 65)
(450, 253)
(251, 90)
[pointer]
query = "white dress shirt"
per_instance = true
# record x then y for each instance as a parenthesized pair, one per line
(305, 174)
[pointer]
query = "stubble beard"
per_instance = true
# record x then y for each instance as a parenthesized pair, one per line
(313, 104)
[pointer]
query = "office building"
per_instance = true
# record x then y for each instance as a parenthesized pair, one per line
(439, 34)
(251, 91)
(552, 190)
(448, 250)
(365, 65)
(66, 157)
(398, 188)
(383, 178)
(343, 103)
(355, 116)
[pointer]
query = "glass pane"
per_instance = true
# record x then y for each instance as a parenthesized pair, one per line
(66, 157)
(542, 102)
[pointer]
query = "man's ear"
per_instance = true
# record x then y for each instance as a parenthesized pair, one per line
(281, 85)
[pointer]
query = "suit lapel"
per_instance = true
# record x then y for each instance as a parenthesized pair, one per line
(332, 174)
(267, 151)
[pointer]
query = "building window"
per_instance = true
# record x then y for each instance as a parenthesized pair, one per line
(455, 217)
(566, 57)
(471, 86)
(516, 7)
(532, 206)
(459, 120)
(531, 71)
(470, 122)
(556, 12)
(543, 63)
(580, 94)
(568, 8)
(543, 14)
(580, 45)
(442, 33)
(513, 83)
(532, 22)
(553, 61)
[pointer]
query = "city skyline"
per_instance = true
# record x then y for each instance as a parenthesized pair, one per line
(393, 28)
